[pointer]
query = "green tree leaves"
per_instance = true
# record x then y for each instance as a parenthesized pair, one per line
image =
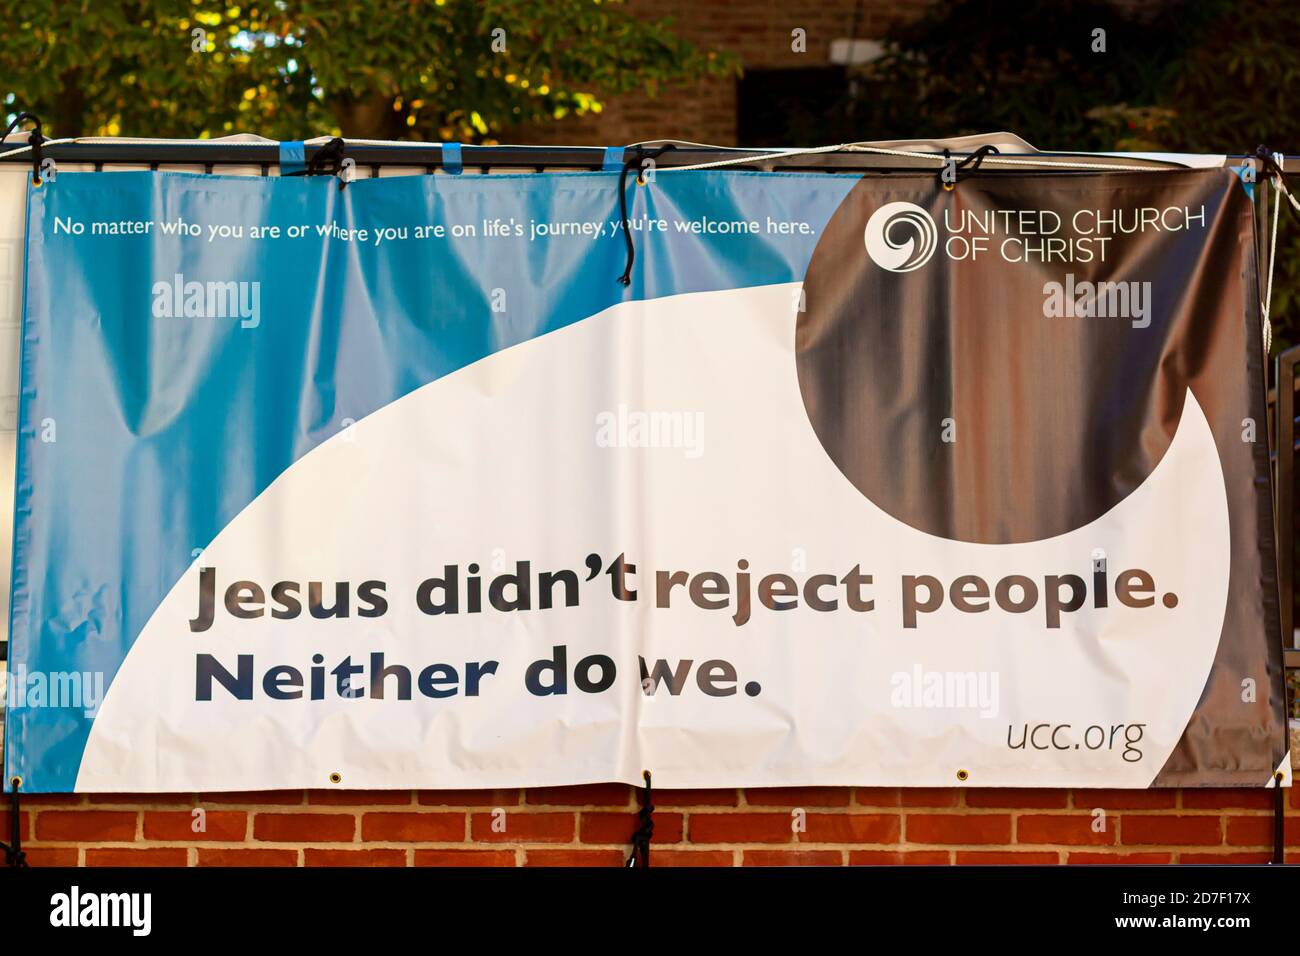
(380, 69)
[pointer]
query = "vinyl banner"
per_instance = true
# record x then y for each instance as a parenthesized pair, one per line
(860, 481)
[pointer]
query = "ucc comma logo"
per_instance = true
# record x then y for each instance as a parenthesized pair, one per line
(900, 237)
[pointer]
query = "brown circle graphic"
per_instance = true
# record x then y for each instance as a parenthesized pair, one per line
(941, 387)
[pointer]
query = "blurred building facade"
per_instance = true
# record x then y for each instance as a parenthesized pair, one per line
(764, 35)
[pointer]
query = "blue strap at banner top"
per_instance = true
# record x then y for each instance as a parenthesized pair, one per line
(293, 157)
(451, 162)
(613, 161)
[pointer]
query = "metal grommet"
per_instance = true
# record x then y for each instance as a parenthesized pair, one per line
(16, 782)
(962, 775)
(336, 777)
(949, 187)
(1279, 776)
(36, 182)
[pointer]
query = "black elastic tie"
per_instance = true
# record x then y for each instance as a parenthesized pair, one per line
(13, 850)
(13, 126)
(1279, 820)
(970, 164)
(18, 119)
(326, 161)
(35, 140)
(639, 153)
(641, 839)
(1269, 164)
(976, 158)
(626, 277)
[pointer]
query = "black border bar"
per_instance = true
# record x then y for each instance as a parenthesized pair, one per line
(957, 905)
(538, 158)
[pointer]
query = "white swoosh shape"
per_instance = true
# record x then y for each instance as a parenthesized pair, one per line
(499, 461)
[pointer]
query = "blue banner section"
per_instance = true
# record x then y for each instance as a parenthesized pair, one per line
(187, 338)
(451, 158)
(613, 158)
(292, 158)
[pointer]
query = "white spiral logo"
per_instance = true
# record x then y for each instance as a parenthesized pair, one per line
(900, 253)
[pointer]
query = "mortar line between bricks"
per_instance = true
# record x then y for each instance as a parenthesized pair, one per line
(753, 810)
(899, 847)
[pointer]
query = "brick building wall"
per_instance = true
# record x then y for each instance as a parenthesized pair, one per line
(758, 32)
(590, 825)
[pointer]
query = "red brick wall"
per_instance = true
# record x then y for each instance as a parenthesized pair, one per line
(590, 825)
(757, 32)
